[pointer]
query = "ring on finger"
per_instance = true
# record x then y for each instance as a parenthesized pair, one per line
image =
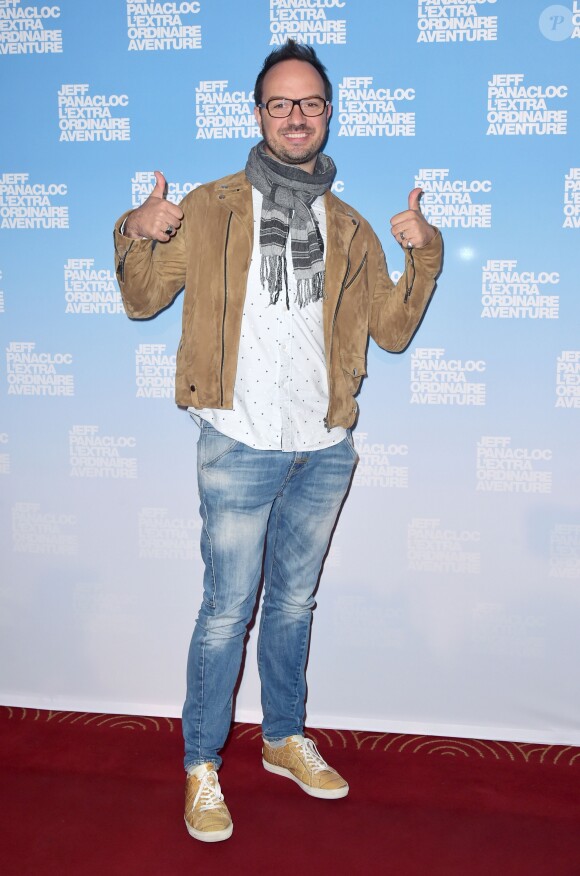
(402, 235)
(169, 230)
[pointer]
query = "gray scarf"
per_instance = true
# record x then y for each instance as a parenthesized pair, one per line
(289, 193)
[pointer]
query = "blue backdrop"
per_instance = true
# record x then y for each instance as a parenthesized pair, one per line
(450, 598)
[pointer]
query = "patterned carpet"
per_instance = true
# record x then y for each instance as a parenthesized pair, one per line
(92, 794)
(348, 740)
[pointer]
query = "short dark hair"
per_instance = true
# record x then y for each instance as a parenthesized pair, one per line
(292, 51)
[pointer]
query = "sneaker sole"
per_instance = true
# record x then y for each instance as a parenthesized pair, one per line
(210, 836)
(321, 793)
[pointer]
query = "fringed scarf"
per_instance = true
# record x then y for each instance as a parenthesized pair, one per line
(288, 194)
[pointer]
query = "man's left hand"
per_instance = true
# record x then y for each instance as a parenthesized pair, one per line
(410, 228)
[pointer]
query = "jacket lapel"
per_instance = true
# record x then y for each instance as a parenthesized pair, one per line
(236, 196)
(341, 226)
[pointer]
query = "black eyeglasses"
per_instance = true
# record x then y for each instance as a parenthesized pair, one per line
(281, 107)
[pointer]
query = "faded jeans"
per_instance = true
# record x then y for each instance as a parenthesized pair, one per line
(270, 512)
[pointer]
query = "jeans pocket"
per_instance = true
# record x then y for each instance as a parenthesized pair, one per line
(213, 445)
(349, 442)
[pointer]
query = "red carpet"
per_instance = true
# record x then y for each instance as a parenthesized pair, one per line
(102, 794)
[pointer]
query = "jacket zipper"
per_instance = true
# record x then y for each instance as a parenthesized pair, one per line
(225, 308)
(121, 264)
(358, 270)
(336, 309)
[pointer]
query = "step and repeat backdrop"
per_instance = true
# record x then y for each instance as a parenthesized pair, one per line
(450, 599)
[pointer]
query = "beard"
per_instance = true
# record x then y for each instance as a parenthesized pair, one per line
(278, 148)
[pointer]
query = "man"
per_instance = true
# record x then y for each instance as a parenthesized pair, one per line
(283, 283)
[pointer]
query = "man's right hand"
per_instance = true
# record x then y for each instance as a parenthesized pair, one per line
(156, 218)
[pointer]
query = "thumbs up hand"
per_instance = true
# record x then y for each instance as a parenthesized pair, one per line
(156, 218)
(410, 228)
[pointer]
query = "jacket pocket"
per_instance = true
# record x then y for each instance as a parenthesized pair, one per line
(352, 277)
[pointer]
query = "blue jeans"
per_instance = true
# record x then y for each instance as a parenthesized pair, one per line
(270, 512)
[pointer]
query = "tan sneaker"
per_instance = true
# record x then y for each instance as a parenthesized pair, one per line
(206, 815)
(300, 761)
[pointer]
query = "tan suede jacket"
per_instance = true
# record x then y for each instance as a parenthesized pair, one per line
(210, 255)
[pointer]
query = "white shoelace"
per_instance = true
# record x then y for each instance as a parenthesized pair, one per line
(312, 757)
(210, 794)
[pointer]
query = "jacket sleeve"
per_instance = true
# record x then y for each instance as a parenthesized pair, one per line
(396, 312)
(149, 273)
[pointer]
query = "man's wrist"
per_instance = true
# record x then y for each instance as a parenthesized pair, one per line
(431, 239)
(123, 230)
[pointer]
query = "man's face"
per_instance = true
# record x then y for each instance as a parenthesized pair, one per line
(296, 139)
